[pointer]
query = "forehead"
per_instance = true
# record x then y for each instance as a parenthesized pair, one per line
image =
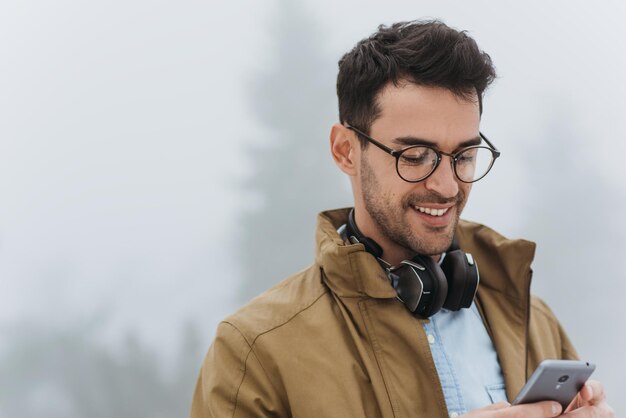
(432, 113)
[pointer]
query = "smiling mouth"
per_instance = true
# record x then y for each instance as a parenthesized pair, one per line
(431, 211)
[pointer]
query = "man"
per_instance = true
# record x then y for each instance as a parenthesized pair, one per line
(354, 335)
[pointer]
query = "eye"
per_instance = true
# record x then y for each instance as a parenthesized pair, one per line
(467, 156)
(411, 160)
(418, 156)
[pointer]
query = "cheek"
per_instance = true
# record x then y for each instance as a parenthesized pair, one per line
(386, 173)
(394, 189)
(374, 172)
(465, 188)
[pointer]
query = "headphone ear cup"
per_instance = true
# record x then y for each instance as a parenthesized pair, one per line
(462, 275)
(435, 286)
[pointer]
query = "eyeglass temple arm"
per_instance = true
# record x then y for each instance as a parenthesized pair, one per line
(493, 147)
(373, 141)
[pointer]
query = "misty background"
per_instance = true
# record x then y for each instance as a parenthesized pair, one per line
(163, 162)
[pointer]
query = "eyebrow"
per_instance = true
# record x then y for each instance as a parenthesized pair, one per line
(412, 140)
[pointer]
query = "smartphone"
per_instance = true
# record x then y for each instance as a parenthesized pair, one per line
(555, 380)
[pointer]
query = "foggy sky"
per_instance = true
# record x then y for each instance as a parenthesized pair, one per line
(124, 129)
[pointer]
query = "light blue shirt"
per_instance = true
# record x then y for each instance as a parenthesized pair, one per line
(466, 360)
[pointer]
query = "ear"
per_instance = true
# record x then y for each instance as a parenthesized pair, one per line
(345, 148)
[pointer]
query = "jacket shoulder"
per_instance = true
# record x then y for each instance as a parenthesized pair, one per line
(539, 306)
(279, 305)
(468, 231)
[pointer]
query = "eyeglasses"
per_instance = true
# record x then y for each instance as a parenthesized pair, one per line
(416, 162)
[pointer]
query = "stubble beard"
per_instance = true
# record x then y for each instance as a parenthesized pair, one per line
(390, 219)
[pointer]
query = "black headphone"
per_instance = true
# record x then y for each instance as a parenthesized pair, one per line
(423, 285)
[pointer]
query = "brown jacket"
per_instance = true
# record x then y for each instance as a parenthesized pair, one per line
(332, 340)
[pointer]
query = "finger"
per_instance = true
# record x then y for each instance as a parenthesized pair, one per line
(575, 404)
(592, 392)
(586, 393)
(585, 411)
(538, 409)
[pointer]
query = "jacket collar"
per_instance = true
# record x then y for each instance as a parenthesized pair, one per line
(349, 270)
(353, 272)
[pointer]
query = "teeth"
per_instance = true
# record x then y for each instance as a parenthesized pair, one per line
(432, 212)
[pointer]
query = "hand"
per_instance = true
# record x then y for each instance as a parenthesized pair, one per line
(590, 402)
(543, 409)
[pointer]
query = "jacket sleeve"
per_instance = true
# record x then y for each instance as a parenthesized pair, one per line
(232, 381)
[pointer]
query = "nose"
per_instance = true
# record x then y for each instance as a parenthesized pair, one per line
(443, 181)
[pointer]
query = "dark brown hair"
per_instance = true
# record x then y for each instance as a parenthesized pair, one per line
(427, 53)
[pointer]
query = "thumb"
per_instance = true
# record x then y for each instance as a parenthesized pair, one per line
(587, 392)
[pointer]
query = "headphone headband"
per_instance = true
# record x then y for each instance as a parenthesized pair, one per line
(354, 232)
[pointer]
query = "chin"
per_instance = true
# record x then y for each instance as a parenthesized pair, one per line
(434, 241)
(435, 249)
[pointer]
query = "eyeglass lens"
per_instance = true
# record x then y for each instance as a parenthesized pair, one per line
(417, 163)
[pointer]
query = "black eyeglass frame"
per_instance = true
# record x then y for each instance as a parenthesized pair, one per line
(453, 157)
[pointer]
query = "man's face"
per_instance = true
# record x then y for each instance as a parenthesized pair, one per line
(408, 218)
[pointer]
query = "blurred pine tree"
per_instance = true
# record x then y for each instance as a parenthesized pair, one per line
(65, 372)
(293, 175)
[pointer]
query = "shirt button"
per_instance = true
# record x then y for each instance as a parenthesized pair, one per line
(454, 415)
(431, 338)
